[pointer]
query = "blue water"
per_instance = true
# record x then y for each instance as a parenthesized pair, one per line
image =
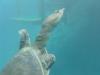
(75, 42)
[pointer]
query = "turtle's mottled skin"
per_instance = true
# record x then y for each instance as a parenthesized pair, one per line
(34, 59)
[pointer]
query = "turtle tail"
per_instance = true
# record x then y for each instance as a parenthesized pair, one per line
(24, 40)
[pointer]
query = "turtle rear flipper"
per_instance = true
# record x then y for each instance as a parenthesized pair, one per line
(49, 60)
(24, 40)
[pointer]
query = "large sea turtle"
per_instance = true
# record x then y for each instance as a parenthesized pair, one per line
(34, 59)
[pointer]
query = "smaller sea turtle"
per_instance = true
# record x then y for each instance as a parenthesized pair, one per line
(34, 59)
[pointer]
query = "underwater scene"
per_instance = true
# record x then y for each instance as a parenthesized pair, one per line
(49, 37)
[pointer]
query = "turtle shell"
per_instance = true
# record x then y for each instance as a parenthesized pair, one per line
(26, 62)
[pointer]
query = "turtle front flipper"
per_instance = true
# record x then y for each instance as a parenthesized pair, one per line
(48, 26)
(24, 40)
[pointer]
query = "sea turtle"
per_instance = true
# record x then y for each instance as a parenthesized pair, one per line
(34, 59)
